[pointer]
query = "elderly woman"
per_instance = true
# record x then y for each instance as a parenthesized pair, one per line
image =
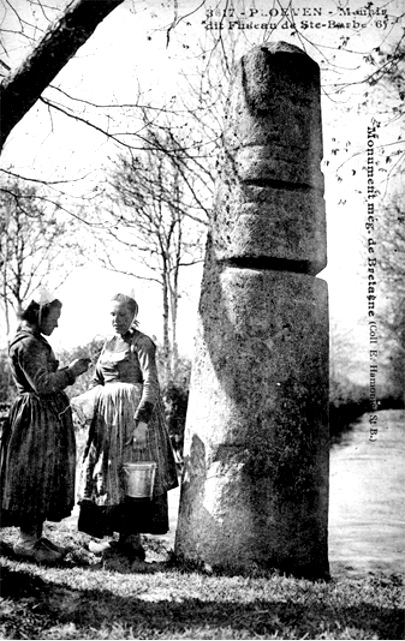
(128, 426)
(38, 449)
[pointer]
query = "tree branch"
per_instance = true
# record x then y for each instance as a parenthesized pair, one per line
(21, 89)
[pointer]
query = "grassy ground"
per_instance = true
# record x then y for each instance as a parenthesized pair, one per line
(84, 598)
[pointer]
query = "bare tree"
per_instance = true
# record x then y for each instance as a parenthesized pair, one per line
(34, 244)
(21, 89)
(63, 37)
(155, 226)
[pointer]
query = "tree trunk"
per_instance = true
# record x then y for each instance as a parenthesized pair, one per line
(174, 297)
(22, 88)
(6, 308)
(175, 276)
(166, 340)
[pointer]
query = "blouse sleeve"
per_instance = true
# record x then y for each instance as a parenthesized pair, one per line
(146, 350)
(34, 363)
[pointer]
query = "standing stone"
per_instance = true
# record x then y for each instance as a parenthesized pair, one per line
(255, 485)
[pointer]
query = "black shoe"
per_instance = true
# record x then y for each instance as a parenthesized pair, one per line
(131, 547)
(53, 546)
(93, 519)
(39, 553)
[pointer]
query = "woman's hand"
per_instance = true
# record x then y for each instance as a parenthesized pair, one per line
(79, 366)
(140, 437)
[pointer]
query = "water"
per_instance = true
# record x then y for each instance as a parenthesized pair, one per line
(367, 498)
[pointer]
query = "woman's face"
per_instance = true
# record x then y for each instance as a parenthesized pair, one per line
(121, 317)
(50, 322)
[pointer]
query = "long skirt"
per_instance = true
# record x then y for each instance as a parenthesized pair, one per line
(109, 447)
(38, 460)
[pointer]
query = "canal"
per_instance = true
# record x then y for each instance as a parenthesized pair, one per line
(367, 498)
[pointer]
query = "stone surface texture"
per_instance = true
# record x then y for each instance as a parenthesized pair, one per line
(270, 187)
(255, 487)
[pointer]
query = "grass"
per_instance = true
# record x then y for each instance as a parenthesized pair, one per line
(85, 599)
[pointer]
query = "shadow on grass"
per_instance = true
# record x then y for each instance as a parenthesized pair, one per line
(36, 605)
(81, 558)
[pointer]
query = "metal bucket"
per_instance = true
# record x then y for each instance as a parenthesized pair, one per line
(139, 479)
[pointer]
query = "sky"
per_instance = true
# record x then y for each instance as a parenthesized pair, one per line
(129, 52)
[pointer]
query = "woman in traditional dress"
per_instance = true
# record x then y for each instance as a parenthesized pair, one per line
(38, 451)
(128, 426)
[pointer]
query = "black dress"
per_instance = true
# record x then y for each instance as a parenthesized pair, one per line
(38, 450)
